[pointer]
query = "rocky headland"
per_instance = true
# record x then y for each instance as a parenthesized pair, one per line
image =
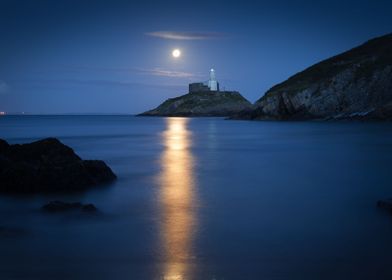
(202, 104)
(48, 166)
(356, 84)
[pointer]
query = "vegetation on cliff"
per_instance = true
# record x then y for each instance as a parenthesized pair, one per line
(223, 103)
(355, 84)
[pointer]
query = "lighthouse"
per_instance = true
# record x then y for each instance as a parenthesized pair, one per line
(213, 85)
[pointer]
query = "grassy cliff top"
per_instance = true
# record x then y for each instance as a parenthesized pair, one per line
(206, 103)
(374, 54)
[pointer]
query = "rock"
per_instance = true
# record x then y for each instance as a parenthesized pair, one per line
(11, 232)
(3, 146)
(89, 208)
(60, 206)
(385, 204)
(356, 84)
(48, 166)
(202, 104)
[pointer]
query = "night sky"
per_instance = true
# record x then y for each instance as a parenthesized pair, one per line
(82, 56)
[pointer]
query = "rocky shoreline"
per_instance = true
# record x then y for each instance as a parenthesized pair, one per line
(61, 206)
(48, 166)
(354, 85)
(202, 104)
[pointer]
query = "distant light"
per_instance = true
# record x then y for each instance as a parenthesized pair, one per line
(2, 113)
(176, 53)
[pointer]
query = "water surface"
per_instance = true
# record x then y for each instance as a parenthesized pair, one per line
(206, 198)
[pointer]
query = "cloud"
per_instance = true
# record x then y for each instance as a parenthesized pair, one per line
(4, 87)
(143, 71)
(87, 68)
(65, 83)
(174, 35)
(112, 83)
(167, 73)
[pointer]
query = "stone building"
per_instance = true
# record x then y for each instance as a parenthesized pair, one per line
(211, 85)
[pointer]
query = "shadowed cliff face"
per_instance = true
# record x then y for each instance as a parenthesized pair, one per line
(355, 84)
(218, 104)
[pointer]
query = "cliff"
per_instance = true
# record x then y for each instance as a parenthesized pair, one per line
(219, 104)
(355, 84)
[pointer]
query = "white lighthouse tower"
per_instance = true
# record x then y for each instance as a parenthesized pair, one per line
(212, 83)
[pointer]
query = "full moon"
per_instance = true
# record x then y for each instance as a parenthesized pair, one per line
(176, 53)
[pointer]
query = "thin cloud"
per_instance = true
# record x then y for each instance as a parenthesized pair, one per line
(4, 87)
(174, 35)
(167, 73)
(153, 71)
(63, 83)
(85, 68)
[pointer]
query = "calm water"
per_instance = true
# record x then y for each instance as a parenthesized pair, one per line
(207, 198)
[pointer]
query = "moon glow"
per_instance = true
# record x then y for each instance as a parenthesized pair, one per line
(176, 53)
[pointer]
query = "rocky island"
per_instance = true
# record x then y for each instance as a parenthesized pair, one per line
(202, 104)
(48, 166)
(356, 84)
(202, 101)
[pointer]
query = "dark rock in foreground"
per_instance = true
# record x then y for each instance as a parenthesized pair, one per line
(385, 204)
(48, 166)
(10, 232)
(356, 85)
(60, 206)
(202, 104)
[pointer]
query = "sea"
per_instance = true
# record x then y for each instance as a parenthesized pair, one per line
(207, 198)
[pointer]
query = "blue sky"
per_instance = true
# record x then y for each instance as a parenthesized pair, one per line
(115, 56)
